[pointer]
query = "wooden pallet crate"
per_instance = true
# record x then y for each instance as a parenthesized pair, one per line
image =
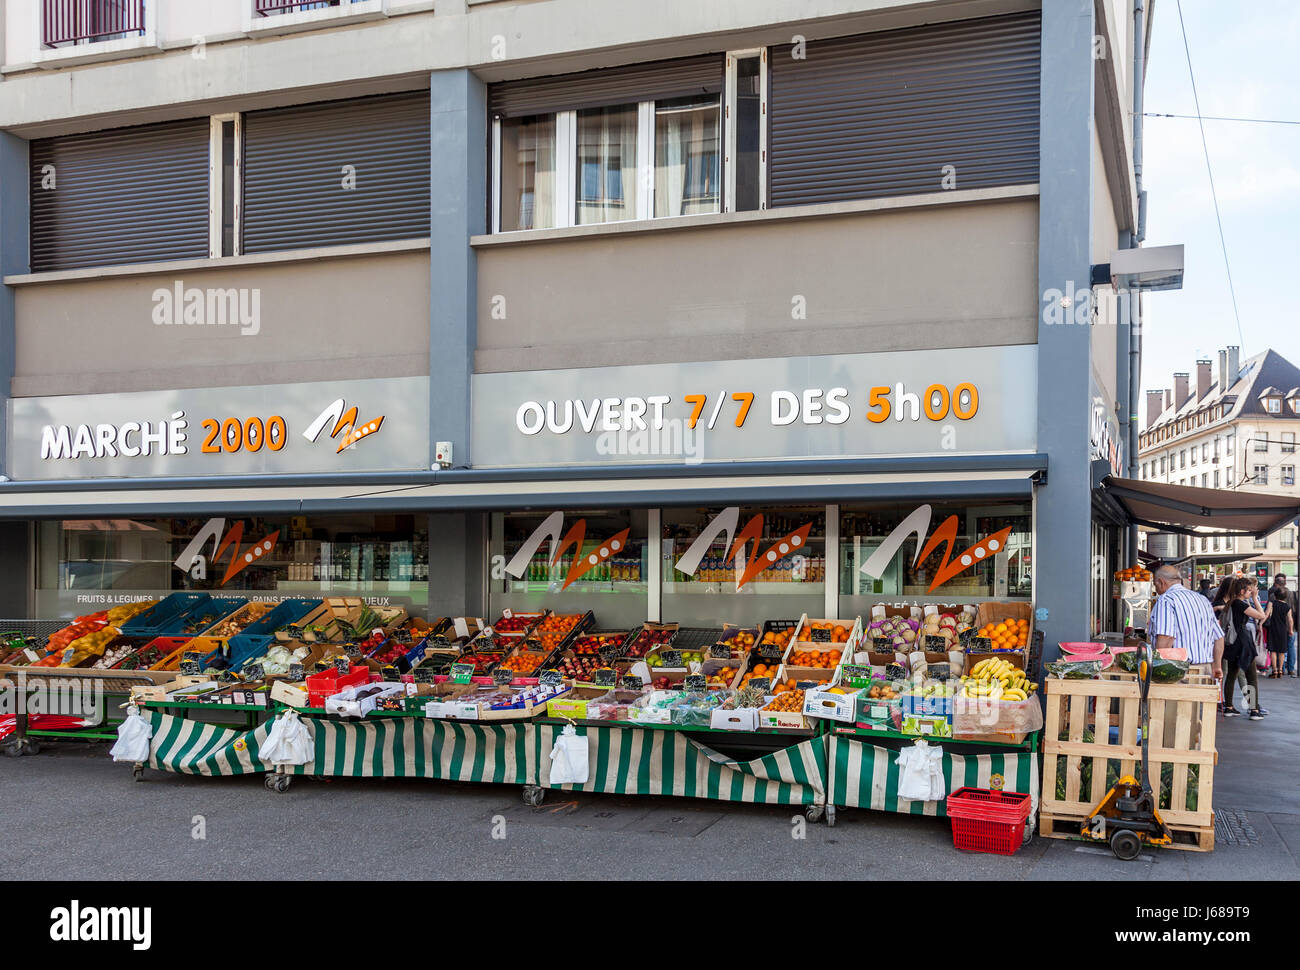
(1084, 711)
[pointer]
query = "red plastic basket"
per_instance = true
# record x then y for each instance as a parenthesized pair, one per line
(988, 821)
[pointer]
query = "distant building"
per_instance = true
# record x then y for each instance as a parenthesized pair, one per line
(1233, 426)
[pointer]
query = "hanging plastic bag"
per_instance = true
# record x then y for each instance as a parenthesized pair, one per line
(920, 764)
(133, 737)
(288, 742)
(569, 758)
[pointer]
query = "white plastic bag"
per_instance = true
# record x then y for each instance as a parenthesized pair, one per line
(288, 742)
(133, 737)
(569, 758)
(921, 779)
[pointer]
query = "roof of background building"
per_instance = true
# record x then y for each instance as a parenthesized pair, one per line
(1266, 371)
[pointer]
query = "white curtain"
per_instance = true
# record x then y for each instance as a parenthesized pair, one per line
(606, 177)
(670, 165)
(544, 175)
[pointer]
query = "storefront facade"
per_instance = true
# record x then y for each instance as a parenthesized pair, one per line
(778, 385)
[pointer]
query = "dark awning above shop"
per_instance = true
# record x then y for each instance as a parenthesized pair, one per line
(1186, 510)
(935, 479)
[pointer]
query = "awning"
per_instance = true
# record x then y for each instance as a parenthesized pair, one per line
(1211, 559)
(971, 478)
(1191, 511)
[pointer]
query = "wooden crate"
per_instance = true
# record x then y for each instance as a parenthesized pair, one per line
(1075, 706)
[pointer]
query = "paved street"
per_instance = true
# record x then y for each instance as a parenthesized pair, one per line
(94, 822)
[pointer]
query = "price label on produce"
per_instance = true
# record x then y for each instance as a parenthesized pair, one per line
(821, 635)
(770, 651)
(296, 672)
(720, 651)
(323, 665)
(424, 675)
(611, 653)
(254, 672)
(763, 684)
(193, 655)
(936, 644)
(671, 658)
(696, 684)
(225, 677)
(342, 663)
(965, 637)
(438, 643)
(632, 681)
(550, 677)
(857, 675)
(351, 650)
(461, 673)
(805, 684)
(191, 668)
(605, 677)
(882, 644)
(501, 676)
(981, 644)
(389, 673)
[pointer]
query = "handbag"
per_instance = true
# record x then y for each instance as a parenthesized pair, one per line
(1229, 628)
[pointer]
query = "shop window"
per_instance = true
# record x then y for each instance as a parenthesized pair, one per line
(84, 565)
(542, 560)
(778, 571)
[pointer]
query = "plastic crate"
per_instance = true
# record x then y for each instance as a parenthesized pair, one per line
(151, 622)
(328, 683)
(201, 616)
(988, 821)
(284, 613)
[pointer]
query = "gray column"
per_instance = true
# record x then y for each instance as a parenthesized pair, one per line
(15, 537)
(458, 204)
(457, 564)
(1064, 235)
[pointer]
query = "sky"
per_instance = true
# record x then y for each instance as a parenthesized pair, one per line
(1245, 63)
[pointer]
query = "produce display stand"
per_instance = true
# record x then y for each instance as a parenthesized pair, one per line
(106, 691)
(783, 767)
(1091, 738)
(861, 773)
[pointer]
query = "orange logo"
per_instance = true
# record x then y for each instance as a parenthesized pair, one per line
(195, 563)
(573, 539)
(726, 522)
(343, 421)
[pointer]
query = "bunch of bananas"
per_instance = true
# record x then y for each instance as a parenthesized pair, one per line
(997, 679)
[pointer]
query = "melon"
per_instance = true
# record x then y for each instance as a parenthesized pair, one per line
(1083, 651)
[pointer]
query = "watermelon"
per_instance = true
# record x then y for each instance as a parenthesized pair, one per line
(1166, 653)
(1083, 651)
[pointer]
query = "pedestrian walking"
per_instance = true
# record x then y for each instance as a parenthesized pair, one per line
(1239, 649)
(1293, 600)
(1279, 627)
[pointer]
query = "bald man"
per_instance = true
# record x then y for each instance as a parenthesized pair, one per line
(1184, 618)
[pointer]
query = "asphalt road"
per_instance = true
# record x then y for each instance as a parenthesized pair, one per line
(89, 820)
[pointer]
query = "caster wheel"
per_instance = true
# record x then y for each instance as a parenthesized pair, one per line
(282, 783)
(1125, 845)
(13, 749)
(31, 747)
(269, 782)
(830, 816)
(533, 795)
(814, 813)
(138, 772)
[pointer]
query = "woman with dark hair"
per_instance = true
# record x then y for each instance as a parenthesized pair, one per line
(1279, 624)
(1220, 599)
(1239, 655)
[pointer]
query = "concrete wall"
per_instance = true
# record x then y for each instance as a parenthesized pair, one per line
(1105, 239)
(332, 318)
(949, 276)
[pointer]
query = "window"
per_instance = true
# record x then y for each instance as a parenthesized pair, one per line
(1288, 539)
(225, 162)
(1205, 479)
(607, 164)
(73, 22)
(1205, 544)
(1227, 477)
(1261, 543)
(1288, 442)
(1205, 451)
(1274, 405)
(1216, 478)
(1182, 458)
(528, 191)
(1216, 447)
(1261, 441)
(1216, 543)
(1193, 450)
(1288, 474)
(746, 131)
(1261, 475)
(688, 161)
(1162, 465)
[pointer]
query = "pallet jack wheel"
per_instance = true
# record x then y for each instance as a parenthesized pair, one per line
(533, 795)
(1126, 845)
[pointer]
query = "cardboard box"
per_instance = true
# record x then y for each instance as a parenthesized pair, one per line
(878, 713)
(574, 703)
(288, 693)
(447, 703)
(346, 703)
(159, 692)
(741, 719)
(927, 726)
(936, 705)
(782, 719)
(824, 703)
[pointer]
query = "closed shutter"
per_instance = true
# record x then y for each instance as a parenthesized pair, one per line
(299, 162)
(125, 195)
(653, 81)
(883, 114)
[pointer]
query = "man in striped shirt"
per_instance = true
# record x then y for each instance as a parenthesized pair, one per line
(1183, 618)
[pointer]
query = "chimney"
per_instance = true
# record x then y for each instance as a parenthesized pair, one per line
(1169, 398)
(1155, 404)
(1202, 379)
(1180, 390)
(1223, 371)
(1234, 364)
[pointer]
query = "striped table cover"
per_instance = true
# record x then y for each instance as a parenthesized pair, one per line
(629, 760)
(423, 748)
(863, 775)
(194, 748)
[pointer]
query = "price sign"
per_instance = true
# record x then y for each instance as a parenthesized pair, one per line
(965, 636)
(805, 684)
(323, 665)
(762, 684)
(254, 672)
(611, 653)
(225, 677)
(501, 676)
(632, 681)
(981, 644)
(424, 675)
(550, 677)
(720, 651)
(389, 673)
(191, 668)
(342, 664)
(749, 696)
(461, 673)
(857, 675)
(882, 644)
(193, 655)
(936, 644)
(439, 642)
(296, 672)
(671, 658)
(770, 651)
(351, 650)
(939, 671)
(605, 677)
(696, 684)
(820, 635)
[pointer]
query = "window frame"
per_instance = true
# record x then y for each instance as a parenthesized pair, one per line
(729, 127)
(216, 192)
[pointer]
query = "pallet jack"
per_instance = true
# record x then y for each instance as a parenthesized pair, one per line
(1127, 817)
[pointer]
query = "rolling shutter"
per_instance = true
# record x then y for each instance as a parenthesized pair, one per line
(883, 114)
(654, 81)
(125, 195)
(295, 170)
